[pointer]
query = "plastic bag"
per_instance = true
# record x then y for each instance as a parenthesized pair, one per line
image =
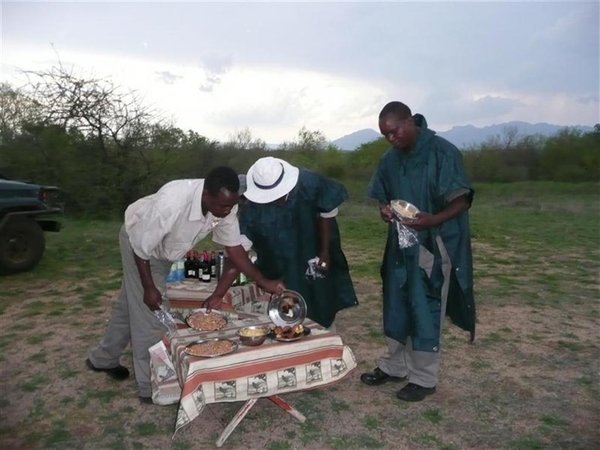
(313, 272)
(166, 319)
(406, 237)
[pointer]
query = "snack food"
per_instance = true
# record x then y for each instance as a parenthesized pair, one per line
(210, 348)
(404, 209)
(206, 322)
(249, 332)
(288, 332)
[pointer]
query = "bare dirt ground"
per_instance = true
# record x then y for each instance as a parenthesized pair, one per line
(529, 381)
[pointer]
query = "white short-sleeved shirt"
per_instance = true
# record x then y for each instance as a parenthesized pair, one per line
(167, 224)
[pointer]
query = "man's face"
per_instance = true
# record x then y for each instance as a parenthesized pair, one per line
(401, 133)
(221, 204)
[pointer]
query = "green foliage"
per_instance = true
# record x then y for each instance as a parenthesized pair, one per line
(105, 164)
(570, 156)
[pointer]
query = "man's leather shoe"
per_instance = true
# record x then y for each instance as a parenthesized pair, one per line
(378, 377)
(118, 373)
(146, 400)
(414, 393)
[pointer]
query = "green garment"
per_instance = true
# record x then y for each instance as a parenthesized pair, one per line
(425, 177)
(285, 237)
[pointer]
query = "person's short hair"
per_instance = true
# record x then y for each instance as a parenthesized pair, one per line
(221, 178)
(396, 109)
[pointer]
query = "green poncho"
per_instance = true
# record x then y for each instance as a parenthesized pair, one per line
(425, 177)
(285, 237)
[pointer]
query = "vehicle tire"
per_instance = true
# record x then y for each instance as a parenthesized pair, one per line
(22, 245)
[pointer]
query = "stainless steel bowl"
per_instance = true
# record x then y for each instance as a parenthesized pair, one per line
(403, 209)
(253, 336)
(289, 308)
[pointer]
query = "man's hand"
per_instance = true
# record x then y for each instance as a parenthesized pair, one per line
(213, 302)
(152, 298)
(271, 286)
(386, 213)
(324, 262)
(423, 221)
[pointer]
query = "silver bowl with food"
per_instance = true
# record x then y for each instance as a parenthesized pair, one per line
(404, 210)
(253, 336)
(287, 308)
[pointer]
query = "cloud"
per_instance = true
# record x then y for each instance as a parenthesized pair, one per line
(461, 107)
(491, 106)
(589, 100)
(215, 67)
(167, 77)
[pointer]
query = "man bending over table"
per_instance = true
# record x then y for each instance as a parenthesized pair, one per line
(159, 229)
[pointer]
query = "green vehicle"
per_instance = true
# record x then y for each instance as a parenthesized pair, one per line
(25, 213)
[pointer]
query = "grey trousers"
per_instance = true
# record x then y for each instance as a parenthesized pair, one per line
(131, 320)
(401, 360)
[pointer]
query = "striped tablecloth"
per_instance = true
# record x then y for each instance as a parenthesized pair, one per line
(273, 368)
(190, 294)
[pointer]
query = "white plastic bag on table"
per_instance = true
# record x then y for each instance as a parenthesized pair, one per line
(166, 319)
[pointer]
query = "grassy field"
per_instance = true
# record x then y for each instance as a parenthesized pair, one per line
(529, 382)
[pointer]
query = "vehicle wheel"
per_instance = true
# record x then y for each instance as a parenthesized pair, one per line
(22, 245)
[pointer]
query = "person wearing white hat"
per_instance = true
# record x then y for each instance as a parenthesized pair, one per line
(290, 219)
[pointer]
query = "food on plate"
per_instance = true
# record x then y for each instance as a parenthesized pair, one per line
(404, 209)
(206, 322)
(249, 332)
(210, 348)
(288, 332)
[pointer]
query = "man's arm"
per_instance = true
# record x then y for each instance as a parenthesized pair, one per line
(230, 273)
(240, 259)
(152, 296)
(450, 211)
(237, 257)
(324, 234)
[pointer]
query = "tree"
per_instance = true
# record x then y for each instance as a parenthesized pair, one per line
(16, 109)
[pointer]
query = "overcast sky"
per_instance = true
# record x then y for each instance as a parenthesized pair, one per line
(218, 68)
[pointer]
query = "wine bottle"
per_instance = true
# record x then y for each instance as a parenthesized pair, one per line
(220, 265)
(190, 271)
(213, 265)
(205, 268)
(196, 263)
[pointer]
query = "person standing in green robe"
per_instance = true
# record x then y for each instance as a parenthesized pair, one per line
(434, 278)
(290, 218)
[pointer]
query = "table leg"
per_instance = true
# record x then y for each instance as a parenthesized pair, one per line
(287, 407)
(235, 421)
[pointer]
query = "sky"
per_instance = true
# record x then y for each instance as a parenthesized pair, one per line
(275, 67)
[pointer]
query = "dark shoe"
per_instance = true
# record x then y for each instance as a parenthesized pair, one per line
(118, 373)
(146, 400)
(378, 377)
(414, 393)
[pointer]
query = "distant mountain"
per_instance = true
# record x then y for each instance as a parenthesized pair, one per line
(468, 135)
(354, 140)
(464, 136)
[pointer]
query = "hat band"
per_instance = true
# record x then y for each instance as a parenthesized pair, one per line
(271, 186)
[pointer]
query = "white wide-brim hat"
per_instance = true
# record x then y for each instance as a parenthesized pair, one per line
(270, 179)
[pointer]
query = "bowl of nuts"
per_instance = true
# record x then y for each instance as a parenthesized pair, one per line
(253, 336)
